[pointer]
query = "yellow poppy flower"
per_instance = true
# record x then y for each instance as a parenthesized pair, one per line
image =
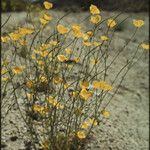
(81, 135)
(25, 31)
(5, 39)
(18, 70)
(111, 23)
(43, 78)
(94, 10)
(68, 50)
(57, 80)
(84, 125)
(23, 42)
(101, 85)
(145, 46)
(84, 84)
(105, 113)
(138, 23)
(43, 21)
(94, 61)
(89, 33)
(96, 43)
(47, 17)
(29, 84)
(44, 53)
(104, 38)
(54, 43)
(87, 43)
(77, 59)
(76, 29)
(47, 5)
(61, 29)
(85, 37)
(54, 102)
(66, 86)
(95, 19)
(93, 121)
(84, 94)
(15, 36)
(62, 58)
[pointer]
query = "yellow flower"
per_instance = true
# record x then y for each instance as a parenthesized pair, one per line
(145, 46)
(29, 84)
(93, 121)
(47, 17)
(54, 43)
(106, 114)
(77, 59)
(23, 42)
(5, 78)
(138, 23)
(40, 109)
(43, 79)
(18, 70)
(94, 10)
(44, 53)
(104, 38)
(75, 93)
(96, 43)
(43, 21)
(68, 50)
(89, 33)
(94, 61)
(24, 31)
(47, 5)
(84, 94)
(57, 80)
(54, 102)
(81, 135)
(85, 37)
(76, 29)
(66, 86)
(15, 36)
(101, 85)
(84, 125)
(62, 58)
(61, 29)
(111, 23)
(84, 84)
(87, 43)
(95, 19)
(5, 39)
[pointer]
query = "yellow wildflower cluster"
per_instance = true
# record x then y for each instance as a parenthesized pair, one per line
(101, 85)
(45, 19)
(95, 18)
(111, 23)
(54, 102)
(86, 124)
(18, 70)
(145, 46)
(85, 94)
(138, 23)
(40, 109)
(62, 29)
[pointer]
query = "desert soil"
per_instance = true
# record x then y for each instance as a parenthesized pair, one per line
(128, 126)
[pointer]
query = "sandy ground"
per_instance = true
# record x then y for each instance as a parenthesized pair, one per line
(128, 126)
